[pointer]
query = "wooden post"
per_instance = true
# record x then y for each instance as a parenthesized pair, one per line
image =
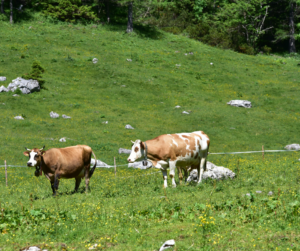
(263, 153)
(5, 172)
(115, 166)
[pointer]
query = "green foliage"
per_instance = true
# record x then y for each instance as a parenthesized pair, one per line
(71, 11)
(267, 49)
(36, 73)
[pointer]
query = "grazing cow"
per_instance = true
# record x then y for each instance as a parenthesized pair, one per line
(57, 163)
(173, 150)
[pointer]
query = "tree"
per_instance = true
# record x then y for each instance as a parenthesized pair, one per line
(11, 12)
(130, 18)
(2, 8)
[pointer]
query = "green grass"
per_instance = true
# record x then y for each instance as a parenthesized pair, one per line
(136, 213)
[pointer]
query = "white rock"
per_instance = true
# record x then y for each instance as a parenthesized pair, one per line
(25, 85)
(292, 147)
(177, 106)
(99, 163)
(123, 150)
(54, 115)
(248, 194)
(16, 95)
(95, 60)
(65, 116)
(167, 244)
(211, 63)
(184, 112)
(129, 60)
(34, 248)
(178, 65)
(123, 85)
(129, 127)
(270, 193)
(139, 164)
(19, 117)
(258, 191)
(185, 54)
(2, 78)
(105, 122)
(191, 53)
(63, 139)
(240, 103)
(93, 247)
(3, 89)
(213, 172)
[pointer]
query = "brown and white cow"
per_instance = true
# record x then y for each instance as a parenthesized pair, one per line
(57, 163)
(173, 150)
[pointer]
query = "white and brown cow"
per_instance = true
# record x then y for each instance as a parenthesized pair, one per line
(173, 150)
(57, 163)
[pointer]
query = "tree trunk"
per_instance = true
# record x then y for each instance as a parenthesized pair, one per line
(130, 19)
(292, 45)
(2, 8)
(11, 12)
(107, 10)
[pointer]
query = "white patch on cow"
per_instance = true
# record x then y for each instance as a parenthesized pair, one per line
(184, 134)
(31, 160)
(174, 142)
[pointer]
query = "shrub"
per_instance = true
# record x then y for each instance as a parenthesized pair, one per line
(267, 49)
(36, 73)
(70, 11)
(247, 49)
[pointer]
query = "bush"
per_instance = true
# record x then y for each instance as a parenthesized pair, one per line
(246, 49)
(36, 73)
(68, 10)
(267, 49)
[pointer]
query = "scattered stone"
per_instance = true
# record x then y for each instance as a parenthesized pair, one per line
(213, 172)
(2, 78)
(167, 244)
(99, 163)
(54, 115)
(34, 248)
(211, 63)
(240, 103)
(129, 127)
(177, 51)
(258, 191)
(177, 106)
(105, 122)
(16, 95)
(3, 89)
(248, 194)
(19, 117)
(270, 193)
(292, 147)
(184, 112)
(139, 164)
(26, 86)
(185, 54)
(94, 246)
(123, 150)
(3, 103)
(65, 116)
(30, 27)
(178, 65)
(129, 60)
(191, 53)
(63, 139)
(95, 60)
(232, 128)
(123, 85)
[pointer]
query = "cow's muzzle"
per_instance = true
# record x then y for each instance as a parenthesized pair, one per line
(29, 164)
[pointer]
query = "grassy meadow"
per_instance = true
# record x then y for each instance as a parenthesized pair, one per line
(132, 211)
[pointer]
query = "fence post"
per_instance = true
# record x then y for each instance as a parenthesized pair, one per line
(5, 172)
(263, 153)
(115, 166)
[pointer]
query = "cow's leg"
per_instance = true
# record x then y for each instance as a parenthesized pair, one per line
(185, 174)
(52, 186)
(77, 183)
(180, 174)
(165, 177)
(56, 183)
(202, 168)
(172, 165)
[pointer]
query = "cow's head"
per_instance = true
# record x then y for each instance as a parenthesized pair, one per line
(35, 158)
(137, 151)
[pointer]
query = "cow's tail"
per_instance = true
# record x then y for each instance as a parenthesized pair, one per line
(93, 168)
(205, 166)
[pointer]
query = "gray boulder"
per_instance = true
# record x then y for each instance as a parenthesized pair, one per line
(99, 163)
(19, 118)
(125, 151)
(2, 78)
(65, 116)
(129, 127)
(26, 86)
(240, 103)
(292, 147)
(54, 115)
(3, 89)
(213, 172)
(139, 164)
(63, 139)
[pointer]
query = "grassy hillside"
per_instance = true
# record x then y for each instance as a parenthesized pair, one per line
(144, 93)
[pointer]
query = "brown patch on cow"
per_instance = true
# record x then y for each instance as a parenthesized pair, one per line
(208, 142)
(136, 149)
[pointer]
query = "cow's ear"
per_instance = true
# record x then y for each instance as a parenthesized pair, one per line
(142, 145)
(43, 153)
(26, 153)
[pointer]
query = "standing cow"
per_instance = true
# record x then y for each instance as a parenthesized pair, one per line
(57, 163)
(173, 150)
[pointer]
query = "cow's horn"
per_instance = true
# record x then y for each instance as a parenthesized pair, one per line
(132, 142)
(42, 148)
(27, 149)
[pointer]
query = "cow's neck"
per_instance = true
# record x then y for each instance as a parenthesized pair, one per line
(151, 153)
